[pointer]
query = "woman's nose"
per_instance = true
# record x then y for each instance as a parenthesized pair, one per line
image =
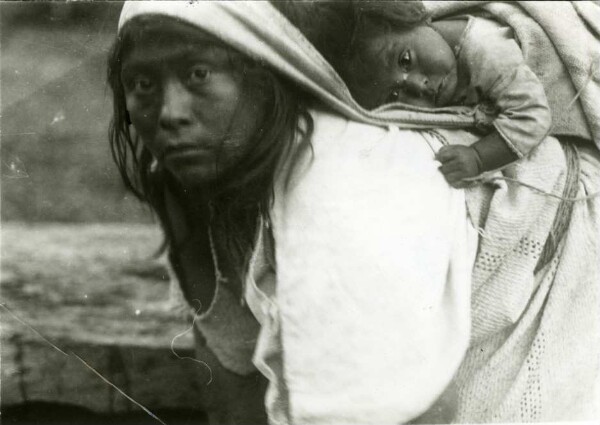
(176, 107)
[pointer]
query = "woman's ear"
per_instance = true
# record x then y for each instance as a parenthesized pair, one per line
(256, 75)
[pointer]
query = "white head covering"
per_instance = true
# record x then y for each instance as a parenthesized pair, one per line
(258, 30)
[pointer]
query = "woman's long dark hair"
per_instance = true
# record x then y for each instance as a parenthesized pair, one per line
(241, 196)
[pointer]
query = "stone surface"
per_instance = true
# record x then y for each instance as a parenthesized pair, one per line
(97, 292)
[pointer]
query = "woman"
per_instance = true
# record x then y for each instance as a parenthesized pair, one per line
(252, 180)
(233, 161)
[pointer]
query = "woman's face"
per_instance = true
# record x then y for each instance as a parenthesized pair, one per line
(188, 102)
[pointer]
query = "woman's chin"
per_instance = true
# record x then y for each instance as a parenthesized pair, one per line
(191, 167)
(193, 177)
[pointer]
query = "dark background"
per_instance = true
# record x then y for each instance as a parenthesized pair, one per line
(78, 260)
(56, 107)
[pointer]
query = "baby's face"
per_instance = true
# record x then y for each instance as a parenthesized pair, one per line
(415, 66)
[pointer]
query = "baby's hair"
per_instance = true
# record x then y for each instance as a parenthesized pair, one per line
(399, 14)
(327, 24)
(385, 15)
(337, 28)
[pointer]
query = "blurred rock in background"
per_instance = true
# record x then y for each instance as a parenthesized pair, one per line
(77, 251)
(55, 111)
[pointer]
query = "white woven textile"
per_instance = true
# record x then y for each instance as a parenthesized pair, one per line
(535, 349)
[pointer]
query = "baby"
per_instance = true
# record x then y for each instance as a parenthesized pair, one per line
(393, 53)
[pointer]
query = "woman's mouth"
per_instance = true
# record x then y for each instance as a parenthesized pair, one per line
(183, 154)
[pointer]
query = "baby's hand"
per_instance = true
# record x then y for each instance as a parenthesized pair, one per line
(458, 163)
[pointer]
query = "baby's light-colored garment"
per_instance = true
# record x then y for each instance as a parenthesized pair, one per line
(492, 73)
(560, 42)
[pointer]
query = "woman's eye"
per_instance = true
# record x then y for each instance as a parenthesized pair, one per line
(199, 74)
(405, 59)
(142, 85)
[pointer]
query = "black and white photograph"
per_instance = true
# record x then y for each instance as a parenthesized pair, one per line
(299, 212)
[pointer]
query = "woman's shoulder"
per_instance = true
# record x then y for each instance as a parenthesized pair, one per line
(339, 143)
(333, 127)
(339, 136)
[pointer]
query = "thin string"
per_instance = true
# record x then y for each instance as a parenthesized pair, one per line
(213, 251)
(534, 188)
(219, 277)
(591, 73)
(562, 218)
(439, 136)
(483, 233)
(487, 179)
(179, 335)
(72, 354)
(118, 389)
(38, 333)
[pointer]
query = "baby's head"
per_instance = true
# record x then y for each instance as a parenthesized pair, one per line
(385, 50)
(396, 56)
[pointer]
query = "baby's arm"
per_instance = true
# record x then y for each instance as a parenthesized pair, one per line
(498, 74)
(460, 162)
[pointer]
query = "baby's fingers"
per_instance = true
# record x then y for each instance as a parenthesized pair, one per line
(456, 180)
(453, 177)
(446, 153)
(451, 166)
(461, 184)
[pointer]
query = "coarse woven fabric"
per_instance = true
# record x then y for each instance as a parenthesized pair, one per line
(535, 347)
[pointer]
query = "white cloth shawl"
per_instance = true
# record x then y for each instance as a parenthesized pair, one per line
(373, 249)
(374, 259)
